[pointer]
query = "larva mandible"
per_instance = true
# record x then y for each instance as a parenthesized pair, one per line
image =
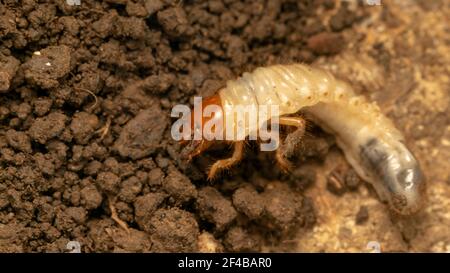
(369, 140)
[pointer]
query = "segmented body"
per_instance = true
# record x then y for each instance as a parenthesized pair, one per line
(369, 140)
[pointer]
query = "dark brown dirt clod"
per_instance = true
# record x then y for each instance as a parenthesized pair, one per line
(130, 188)
(141, 136)
(342, 19)
(78, 214)
(215, 208)
(8, 68)
(153, 6)
(48, 127)
(303, 177)
(238, 240)
(155, 177)
(47, 67)
(134, 242)
(132, 27)
(173, 230)
(71, 218)
(174, 21)
(83, 126)
(91, 197)
(282, 207)
(108, 182)
(42, 106)
(179, 186)
(352, 180)
(362, 216)
(145, 206)
(45, 163)
(9, 234)
(248, 201)
(158, 84)
(18, 140)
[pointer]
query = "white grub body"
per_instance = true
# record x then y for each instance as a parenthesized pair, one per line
(369, 140)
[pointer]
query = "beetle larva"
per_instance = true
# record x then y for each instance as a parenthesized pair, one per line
(369, 140)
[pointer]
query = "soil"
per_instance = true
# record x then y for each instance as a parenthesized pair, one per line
(85, 98)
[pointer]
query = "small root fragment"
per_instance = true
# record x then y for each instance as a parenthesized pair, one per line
(91, 93)
(104, 130)
(114, 216)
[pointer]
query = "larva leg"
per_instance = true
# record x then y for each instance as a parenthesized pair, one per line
(287, 147)
(203, 146)
(298, 122)
(238, 152)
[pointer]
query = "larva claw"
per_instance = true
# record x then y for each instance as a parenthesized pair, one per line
(198, 148)
(228, 162)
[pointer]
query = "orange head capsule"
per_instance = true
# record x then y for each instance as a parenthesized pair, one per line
(207, 120)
